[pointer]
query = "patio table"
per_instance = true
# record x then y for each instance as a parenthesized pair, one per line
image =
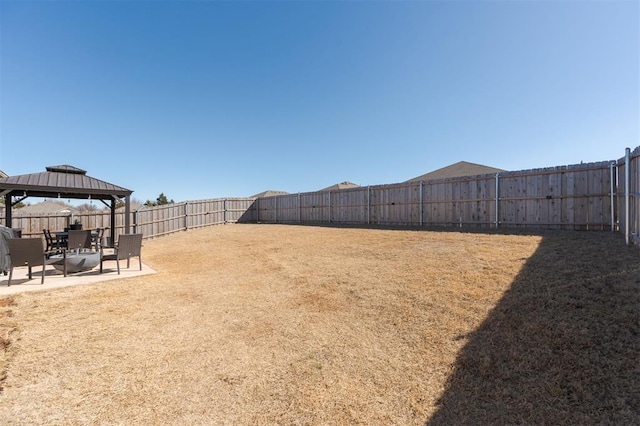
(61, 238)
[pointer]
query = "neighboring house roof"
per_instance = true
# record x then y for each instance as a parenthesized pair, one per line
(341, 185)
(461, 168)
(269, 193)
(46, 207)
(3, 174)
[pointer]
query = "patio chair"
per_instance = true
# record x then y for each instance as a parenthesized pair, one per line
(96, 238)
(78, 240)
(53, 244)
(30, 252)
(106, 242)
(129, 245)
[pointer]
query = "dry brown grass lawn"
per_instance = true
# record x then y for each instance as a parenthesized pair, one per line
(262, 324)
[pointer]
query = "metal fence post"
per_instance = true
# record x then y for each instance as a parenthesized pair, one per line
(497, 222)
(368, 204)
(627, 194)
(421, 203)
(612, 179)
(135, 222)
(186, 215)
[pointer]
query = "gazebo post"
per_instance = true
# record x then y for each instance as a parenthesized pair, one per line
(127, 214)
(7, 209)
(113, 221)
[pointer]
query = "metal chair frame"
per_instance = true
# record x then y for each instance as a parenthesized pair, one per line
(97, 241)
(53, 243)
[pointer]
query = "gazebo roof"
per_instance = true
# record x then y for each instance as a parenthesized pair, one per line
(65, 181)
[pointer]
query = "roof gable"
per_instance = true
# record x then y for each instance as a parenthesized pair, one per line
(269, 193)
(459, 169)
(342, 185)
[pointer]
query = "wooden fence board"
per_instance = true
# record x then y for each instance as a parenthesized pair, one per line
(569, 201)
(554, 212)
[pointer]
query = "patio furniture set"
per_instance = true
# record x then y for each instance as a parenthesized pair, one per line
(71, 251)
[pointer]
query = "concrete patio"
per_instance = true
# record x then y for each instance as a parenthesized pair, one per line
(55, 279)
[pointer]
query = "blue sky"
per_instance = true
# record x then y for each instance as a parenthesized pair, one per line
(208, 99)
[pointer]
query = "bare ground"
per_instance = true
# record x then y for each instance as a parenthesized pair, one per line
(263, 324)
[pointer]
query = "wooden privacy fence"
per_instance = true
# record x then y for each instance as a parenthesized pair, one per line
(581, 197)
(169, 218)
(572, 197)
(150, 221)
(594, 196)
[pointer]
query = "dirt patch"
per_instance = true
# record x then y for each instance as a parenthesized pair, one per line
(262, 324)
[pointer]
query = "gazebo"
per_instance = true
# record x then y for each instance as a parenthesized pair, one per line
(64, 182)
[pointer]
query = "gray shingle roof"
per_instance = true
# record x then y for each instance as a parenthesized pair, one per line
(269, 193)
(459, 169)
(46, 207)
(341, 185)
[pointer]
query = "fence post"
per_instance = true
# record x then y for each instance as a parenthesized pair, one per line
(497, 200)
(627, 194)
(611, 179)
(224, 211)
(276, 212)
(135, 222)
(636, 197)
(421, 203)
(257, 210)
(186, 216)
(329, 206)
(299, 208)
(368, 204)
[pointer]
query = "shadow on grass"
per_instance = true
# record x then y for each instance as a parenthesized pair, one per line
(561, 347)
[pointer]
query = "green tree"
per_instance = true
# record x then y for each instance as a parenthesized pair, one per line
(160, 201)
